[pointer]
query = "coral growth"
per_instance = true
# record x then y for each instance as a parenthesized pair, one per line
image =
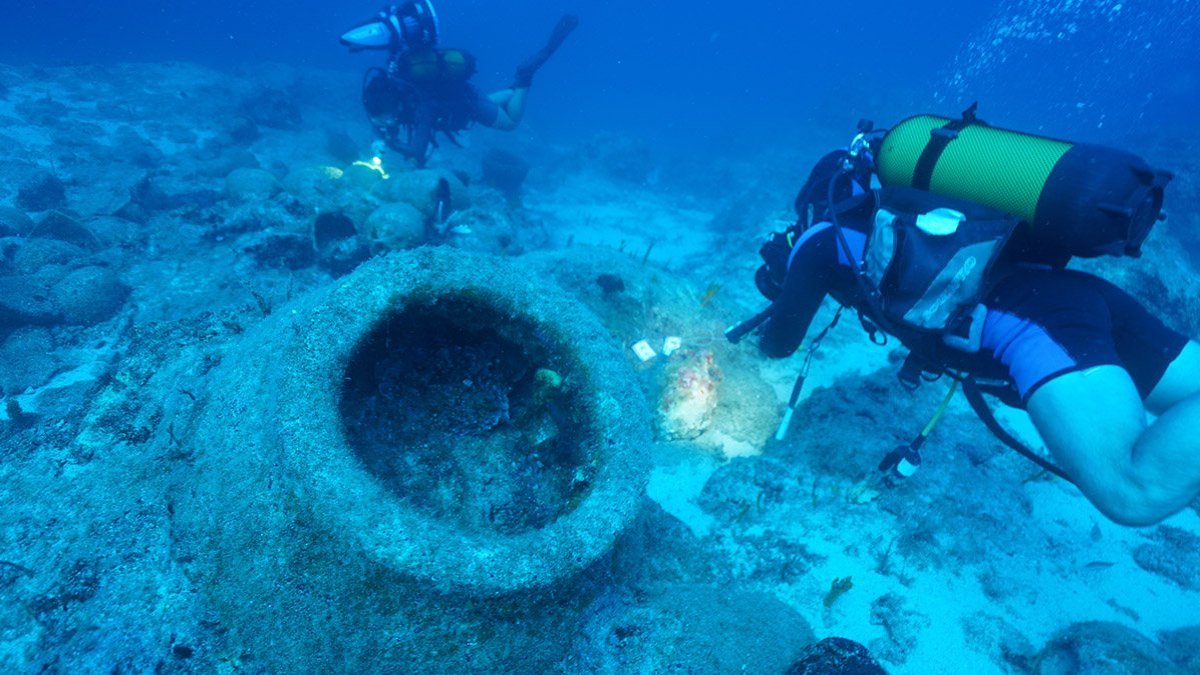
(837, 589)
(690, 396)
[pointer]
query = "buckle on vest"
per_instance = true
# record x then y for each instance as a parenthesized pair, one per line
(972, 340)
(910, 372)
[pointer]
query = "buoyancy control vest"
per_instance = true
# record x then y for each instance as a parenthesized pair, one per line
(927, 265)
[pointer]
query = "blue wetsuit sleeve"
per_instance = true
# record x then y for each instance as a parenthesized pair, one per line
(809, 278)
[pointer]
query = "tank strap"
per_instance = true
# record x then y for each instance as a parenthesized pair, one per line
(939, 139)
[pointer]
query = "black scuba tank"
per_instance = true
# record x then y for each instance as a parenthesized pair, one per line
(1075, 199)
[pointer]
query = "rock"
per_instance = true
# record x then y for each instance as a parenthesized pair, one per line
(70, 391)
(247, 185)
(481, 230)
(28, 359)
(1102, 648)
(398, 560)
(272, 108)
(994, 635)
(621, 157)
(315, 186)
(113, 231)
(904, 626)
(269, 216)
(362, 176)
(328, 228)
(691, 628)
(25, 300)
(43, 112)
(689, 396)
(836, 656)
(78, 137)
(60, 226)
(394, 226)
(41, 191)
(610, 283)
(242, 131)
(434, 193)
(286, 251)
(225, 161)
(148, 196)
(89, 295)
(506, 172)
(356, 206)
(336, 240)
(14, 222)
(1183, 646)
(9, 145)
(133, 148)
(1174, 553)
(32, 255)
(145, 199)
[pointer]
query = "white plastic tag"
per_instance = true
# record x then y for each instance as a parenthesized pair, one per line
(643, 350)
(671, 345)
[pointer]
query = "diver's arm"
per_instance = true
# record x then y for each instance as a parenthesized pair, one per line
(810, 274)
(421, 137)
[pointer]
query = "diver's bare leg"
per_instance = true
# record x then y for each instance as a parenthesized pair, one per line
(512, 107)
(1180, 382)
(1094, 424)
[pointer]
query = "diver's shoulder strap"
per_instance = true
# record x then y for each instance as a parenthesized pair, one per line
(941, 137)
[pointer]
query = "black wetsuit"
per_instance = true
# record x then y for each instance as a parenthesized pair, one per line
(1041, 322)
(432, 107)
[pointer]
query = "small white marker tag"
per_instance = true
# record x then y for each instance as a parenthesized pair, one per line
(644, 351)
(671, 345)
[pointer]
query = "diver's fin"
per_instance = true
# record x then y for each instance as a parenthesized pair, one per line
(526, 70)
(566, 25)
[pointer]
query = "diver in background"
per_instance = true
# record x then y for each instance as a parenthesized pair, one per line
(1083, 357)
(425, 89)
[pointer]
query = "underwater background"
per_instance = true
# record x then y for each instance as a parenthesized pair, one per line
(690, 73)
(220, 318)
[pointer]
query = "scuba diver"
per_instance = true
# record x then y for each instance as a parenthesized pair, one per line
(953, 236)
(425, 89)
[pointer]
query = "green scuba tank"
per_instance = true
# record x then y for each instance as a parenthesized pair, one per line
(1075, 199)
(436, 66)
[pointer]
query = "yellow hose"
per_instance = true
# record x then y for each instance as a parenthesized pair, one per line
(937, 416)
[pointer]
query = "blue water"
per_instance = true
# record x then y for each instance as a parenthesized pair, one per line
(695, 75)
